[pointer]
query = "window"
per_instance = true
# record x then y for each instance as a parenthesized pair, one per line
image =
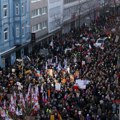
(17, 9)
(32, 1)
(44, 10)
(35, 28)
(6, 34)
(22, 8)
(44, 24)
(40, 26)
(53, 1)
(5, 10)
(35, 13)
(69, 1)
(39, 12)
(23, 30)
(17, 31)
(55, 11)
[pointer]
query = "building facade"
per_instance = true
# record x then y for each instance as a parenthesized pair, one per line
(39, 18)
(55, 14)
(77, 12)
(50, 17)
(14, 30)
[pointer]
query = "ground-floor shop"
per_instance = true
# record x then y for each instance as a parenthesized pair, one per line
(9, 57)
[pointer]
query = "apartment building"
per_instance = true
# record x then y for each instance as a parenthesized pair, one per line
(14, 30)
(39, 18)
(77, 12)
(55, 14)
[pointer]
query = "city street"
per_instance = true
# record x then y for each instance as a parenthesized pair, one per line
(79, 84)
(60, 60)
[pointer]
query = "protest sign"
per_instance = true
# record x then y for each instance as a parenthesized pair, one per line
(50, 72)
(58, 86)
(82, 83)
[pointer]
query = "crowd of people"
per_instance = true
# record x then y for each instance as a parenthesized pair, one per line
(45, 88)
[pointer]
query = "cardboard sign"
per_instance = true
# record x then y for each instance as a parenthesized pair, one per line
(50, 72)
(82, 83)
(13, 70)
(71, 78)
(58, 86)
(28, 72)
(83, 63)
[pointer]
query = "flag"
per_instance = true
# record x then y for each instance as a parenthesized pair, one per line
(28, 58)
(19, 112)
(59, 67)
(36, 90)
(22, 100)
(4, 106)
(46, 66)
(27, 96)
(45, 97)
(35, 99)
(41, 90)
(36, 106)
(56, 59)
(12, 105)
(14, 97)
(90, 46)
(12, 100)
(51, 44)
(65, 62)
(12, 108)
(29, 88)
(32, 95)
(83, 63)
(68, 69)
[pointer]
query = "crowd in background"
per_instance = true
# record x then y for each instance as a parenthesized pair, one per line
(35, 82)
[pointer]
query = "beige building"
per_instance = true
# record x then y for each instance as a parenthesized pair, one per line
(39, 18)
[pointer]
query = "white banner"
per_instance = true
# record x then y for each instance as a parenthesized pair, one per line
(82, 83)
